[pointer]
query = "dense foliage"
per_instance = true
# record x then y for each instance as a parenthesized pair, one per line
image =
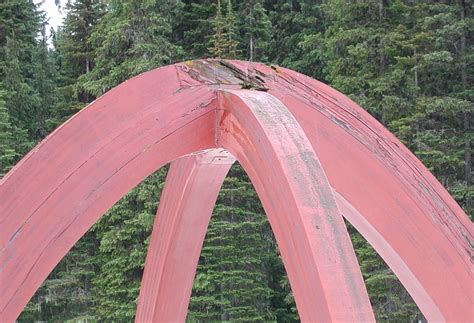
(408, 62)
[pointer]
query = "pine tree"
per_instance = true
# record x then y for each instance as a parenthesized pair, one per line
(74, 50)
(132, 37)
(7, 152)
(223, 39)
(218, 39)
(256, 29)
(231, 32)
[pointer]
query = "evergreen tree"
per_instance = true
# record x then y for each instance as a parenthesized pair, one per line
(396, 60)
(362, 45)
(20, 21)
(45, 78)
(233, 280)
(19, 26)
(21, 98)
(256, 29)
(296, 32)
(231, 32)
(74, 50)
(131, 38)
(7, 152)
(67, 292)
(32, 79)
(224, 44)
(218, 39)
(195, 22)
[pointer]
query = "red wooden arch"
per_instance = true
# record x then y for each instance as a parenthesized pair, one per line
(312, 155)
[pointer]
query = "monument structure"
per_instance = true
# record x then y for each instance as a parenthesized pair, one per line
(312, 154)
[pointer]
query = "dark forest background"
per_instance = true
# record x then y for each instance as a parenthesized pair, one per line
(408, 62)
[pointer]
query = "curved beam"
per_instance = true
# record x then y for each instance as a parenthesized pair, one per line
(61, 188)
(391, 257)
(376, 174)
(315, 246)
(391, 189)
(190, 192)
(406, 207)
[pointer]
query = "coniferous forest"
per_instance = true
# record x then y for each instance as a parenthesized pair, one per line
(407, 62)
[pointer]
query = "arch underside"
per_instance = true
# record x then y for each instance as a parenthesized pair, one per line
(312, 155)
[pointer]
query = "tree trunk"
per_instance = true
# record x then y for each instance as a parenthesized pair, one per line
(467, 142)
(382, 56)
(251, 48)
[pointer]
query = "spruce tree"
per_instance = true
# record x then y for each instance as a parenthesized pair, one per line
(231, 32)
(45, 77)
(223, 39)
(195, 22)
(231, 281)
(240, 274)
(75, 51)
(19, 26)
(7, 152)
(256, 29)
(296, 29)
(401, 62)
(218, 39)
(123, 236)
(132, 37)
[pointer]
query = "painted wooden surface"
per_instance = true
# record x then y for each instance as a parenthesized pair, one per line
(190, 192)
(312, 238)
(60, 189)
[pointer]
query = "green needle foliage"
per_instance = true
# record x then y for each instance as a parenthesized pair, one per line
(235, 275)
(7, 152)
(224, 44)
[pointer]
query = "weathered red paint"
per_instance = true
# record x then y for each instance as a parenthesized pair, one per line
(316, 249)
(61, 188)
(391, 189)
(190, 192)
(68, 181)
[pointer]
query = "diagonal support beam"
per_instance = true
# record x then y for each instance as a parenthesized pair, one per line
(190, 192)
